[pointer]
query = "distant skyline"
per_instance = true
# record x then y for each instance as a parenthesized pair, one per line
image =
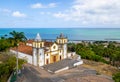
(60, 13)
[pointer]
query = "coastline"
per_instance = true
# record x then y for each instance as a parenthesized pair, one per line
(97, 34)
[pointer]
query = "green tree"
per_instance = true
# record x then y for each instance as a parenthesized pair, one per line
(98, 49)
(17, 37)
(88, 52)
(71, 47)
(8, 65)
(4, 44)
(116, 77)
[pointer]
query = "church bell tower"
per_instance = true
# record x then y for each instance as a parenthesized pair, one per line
(62, 42)
(38, 51)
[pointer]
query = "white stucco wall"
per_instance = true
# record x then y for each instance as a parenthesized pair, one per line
(34, 57)
(65, 68)
(28, 44)
(78, 63)
(65, 50)
(61, 53)
(52, 47)
(41, 57)
(71, 54)
(54, 52)
(23, 56)
(47, 57)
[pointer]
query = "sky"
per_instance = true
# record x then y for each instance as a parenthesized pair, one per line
(59, 13)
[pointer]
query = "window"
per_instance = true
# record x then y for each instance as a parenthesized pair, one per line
(41, 45)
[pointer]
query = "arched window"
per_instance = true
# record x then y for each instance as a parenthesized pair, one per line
(41, 45)
(54, 47)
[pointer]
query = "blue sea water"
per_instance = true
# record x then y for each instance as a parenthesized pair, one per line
(71, 33)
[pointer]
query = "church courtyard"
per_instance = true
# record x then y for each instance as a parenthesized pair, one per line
(80, 73)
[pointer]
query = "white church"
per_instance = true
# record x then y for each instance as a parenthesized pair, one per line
(39, 53)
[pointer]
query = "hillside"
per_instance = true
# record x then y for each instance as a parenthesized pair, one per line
(100, 67)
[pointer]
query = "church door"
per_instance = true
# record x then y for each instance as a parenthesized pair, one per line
(54, 58)
(47, 62)
(60, 57)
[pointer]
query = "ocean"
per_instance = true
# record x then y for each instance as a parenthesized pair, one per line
(71, 33)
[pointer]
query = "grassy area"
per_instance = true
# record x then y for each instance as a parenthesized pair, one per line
(100, 67)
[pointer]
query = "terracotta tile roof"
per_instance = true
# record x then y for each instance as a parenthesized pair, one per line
(28, 49)
(24, 49)
(45, 50)
(30, 41)
(48, 44)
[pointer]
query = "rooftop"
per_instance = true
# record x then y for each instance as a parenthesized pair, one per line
(60, 65)
(30, 41)
(24, 49)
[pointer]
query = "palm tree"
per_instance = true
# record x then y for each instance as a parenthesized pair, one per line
(17, 37)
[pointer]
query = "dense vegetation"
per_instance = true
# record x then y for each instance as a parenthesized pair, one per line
(8, 65)
(116, 77)
(5, 44)
(107, 52)
(8, 61)
(12, 40)
(99, 51)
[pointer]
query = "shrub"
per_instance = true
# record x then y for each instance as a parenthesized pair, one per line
(116, 77)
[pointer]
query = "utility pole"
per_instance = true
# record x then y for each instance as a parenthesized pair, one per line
(17, 64)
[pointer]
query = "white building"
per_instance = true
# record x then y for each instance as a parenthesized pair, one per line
(39, 53)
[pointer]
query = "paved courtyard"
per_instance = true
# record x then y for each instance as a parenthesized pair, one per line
(66, 63)
(77, 74)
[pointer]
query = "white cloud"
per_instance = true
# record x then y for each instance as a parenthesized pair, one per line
(92, 12)
(37, 5)
(18, 14)
(40, 5)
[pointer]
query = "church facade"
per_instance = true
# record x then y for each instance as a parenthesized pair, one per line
(49, 52)
(40, 53)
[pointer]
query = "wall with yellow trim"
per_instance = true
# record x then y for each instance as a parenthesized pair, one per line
(54, 47)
